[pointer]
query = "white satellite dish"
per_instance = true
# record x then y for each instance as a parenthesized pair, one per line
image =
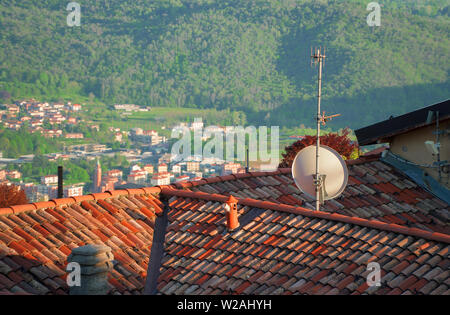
(332, 169)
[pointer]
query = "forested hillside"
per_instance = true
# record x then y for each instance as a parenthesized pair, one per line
(250, 55)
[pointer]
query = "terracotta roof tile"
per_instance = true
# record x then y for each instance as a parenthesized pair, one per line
(285, 242)
(51, 232)
(280, 248)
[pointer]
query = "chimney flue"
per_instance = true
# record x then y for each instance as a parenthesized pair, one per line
(60, 182)
(231, 213)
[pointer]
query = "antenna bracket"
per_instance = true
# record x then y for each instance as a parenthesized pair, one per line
(320, 184)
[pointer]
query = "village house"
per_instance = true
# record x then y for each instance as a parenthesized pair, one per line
(162, 178)
(14, 174)
(74, 136)
(49, 180)
(230, 168)
(149, 168)
(192, 166)
(115, 173)
(162, 168)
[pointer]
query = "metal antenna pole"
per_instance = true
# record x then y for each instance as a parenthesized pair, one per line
(318, 58)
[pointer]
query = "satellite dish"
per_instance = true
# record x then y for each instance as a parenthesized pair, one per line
(332, 167)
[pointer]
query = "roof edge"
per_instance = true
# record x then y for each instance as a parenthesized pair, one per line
(401, 124)
(434, 236)
(17, 209)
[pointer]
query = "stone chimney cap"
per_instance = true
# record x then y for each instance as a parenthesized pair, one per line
(91, 249)
(95, 262)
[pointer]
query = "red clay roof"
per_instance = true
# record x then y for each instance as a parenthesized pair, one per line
(278, 239)
(36, 239)
(291, 250)
(375, 190)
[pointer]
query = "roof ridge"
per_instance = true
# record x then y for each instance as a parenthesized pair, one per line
(217, 179)
(368, 157)
(16, 209)
(434, 236)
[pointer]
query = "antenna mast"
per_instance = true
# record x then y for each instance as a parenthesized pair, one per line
(318, 57)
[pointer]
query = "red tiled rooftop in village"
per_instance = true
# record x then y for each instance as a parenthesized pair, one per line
(35, 239)
(280, 247)
(375, 190)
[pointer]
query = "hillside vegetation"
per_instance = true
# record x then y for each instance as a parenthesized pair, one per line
(242, 55)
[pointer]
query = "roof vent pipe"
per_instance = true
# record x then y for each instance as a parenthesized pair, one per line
(232, 213)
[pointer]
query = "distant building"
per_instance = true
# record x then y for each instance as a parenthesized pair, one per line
(49, 180)
(72, 120)
(127, 107)
(230, 168)
(197, 125)
(136, 131)
(47, 192)
(165, 158)
(135, 168)
(192, 166)
(149, 168)
(30, 190)
(118, 136)
(73, 191)
(108, 183)
(146, 136)
(160, 179)
(14, 174)
(198, 174)
(176, 169)
(162, 168)
(58, 105)
(2, 175)
(52, 133)
(115, 173)
(150, 132)
(75, 107)
(13, 109)
(74, 136)
(182, 178)
(137, 177)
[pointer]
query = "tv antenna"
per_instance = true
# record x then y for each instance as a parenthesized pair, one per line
(303, 167)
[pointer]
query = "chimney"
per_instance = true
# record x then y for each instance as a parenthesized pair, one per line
(95, 262)
(232, 214)
(60, 182)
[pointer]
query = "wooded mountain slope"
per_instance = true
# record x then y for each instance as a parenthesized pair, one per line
(250, 55)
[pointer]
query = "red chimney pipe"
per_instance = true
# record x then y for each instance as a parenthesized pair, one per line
(231, 213)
